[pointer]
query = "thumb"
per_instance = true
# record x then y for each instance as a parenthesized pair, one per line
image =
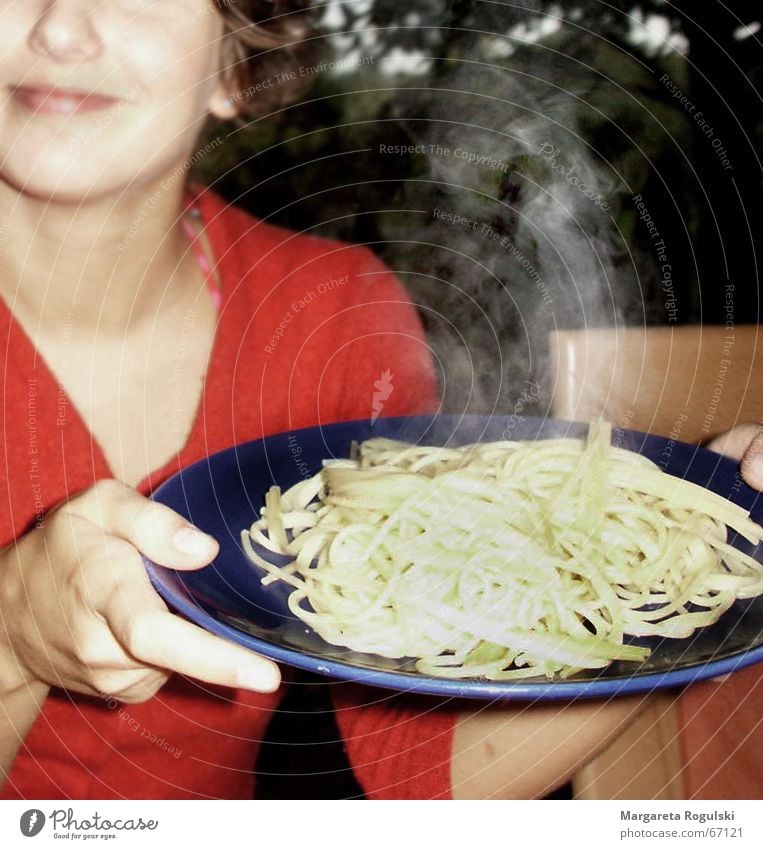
(154, 529)
(752, 462)
(744, 443)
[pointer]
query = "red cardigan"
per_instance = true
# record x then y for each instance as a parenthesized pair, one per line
(306, 327)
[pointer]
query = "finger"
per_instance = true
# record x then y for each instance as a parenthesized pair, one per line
(154, 529)
(752, 462)
(736, 442)
(162, 639)
(169, 642)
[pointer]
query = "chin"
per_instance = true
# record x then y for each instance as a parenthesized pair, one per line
(62, 180)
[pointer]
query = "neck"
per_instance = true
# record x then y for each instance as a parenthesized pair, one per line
(112, 263)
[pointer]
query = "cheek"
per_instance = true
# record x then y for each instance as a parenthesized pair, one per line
(176, 75)
(162, 124)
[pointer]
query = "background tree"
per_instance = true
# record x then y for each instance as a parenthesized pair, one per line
(651, 99)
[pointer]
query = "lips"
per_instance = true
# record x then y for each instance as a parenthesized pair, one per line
(46, 99)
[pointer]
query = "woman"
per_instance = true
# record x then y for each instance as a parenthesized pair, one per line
(129, 354)
(130, 351)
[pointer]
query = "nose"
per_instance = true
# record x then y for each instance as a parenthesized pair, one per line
(66, 31)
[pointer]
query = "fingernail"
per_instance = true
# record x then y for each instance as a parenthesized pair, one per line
(264, 680)
(189, 540)
(756, 465)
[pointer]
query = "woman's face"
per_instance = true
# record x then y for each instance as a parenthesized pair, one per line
(100, 95)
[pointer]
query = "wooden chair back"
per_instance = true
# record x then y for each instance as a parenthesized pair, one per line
(698, 380)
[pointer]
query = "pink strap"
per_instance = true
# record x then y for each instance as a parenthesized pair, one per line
(201, 257)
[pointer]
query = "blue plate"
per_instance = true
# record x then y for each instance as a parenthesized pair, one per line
(223, 494)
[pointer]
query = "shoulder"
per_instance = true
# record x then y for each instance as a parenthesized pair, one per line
(325, 322)
(292, 261)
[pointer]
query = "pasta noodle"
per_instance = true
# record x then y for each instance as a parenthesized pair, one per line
(504, 560)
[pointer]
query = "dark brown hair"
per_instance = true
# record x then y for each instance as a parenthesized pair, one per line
(267, 52)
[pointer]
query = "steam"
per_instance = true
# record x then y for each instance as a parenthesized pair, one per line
(515, 234)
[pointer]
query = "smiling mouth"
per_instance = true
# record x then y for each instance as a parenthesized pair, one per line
(50, 100)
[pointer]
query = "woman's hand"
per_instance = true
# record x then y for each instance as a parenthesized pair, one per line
(743, 443)
(80, 612)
